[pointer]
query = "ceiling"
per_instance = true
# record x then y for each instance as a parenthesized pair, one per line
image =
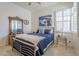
(34, 5)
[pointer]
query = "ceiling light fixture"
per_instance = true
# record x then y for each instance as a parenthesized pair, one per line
(32, 2)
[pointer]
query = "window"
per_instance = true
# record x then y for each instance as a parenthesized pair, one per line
(63, 21)
(59, 14)
(66, 26)
(59, 26)
(74, 18)
(66, 20)
(59, 21)
(67, 12)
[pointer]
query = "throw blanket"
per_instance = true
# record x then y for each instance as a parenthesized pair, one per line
(31, 38)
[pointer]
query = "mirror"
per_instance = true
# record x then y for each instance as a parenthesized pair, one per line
(15, 25)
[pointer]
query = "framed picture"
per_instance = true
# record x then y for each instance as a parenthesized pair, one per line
(26, 22)
(45, 20)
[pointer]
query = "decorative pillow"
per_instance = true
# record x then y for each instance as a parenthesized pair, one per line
(41, 31)
(47, 31)
(37, 31)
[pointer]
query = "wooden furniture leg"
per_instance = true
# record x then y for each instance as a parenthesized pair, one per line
(65, 42)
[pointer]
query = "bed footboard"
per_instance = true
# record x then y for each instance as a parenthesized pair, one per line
(24, 49)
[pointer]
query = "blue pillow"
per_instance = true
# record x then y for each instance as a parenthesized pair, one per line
(37, 31)
(47, 31)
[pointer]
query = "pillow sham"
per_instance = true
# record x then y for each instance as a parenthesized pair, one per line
(41, 31)
(47, 31)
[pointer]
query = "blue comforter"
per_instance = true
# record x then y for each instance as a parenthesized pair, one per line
(44, 42)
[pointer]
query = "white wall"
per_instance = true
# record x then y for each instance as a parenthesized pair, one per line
(9, 9)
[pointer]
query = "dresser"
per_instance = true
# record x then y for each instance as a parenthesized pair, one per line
(10, 39)
(15, 27)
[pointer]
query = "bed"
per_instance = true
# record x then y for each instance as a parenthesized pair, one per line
(32, 44)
